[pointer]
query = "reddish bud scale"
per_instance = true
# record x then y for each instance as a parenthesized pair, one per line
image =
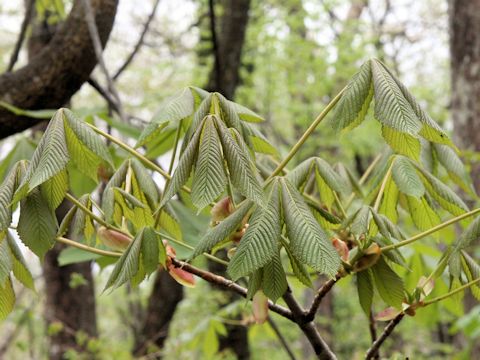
(178, 274)
(113, 239)
(260, 307)
(221, 210)
(341, 247)
(370, 257)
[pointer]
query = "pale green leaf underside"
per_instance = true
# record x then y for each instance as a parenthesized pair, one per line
(406, 177)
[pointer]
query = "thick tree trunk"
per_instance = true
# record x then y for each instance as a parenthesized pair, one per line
(225, 75)
(465, 79)
(166, 295)
(58, 71)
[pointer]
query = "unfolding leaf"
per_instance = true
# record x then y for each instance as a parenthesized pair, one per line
(388, 283)
(365, 290)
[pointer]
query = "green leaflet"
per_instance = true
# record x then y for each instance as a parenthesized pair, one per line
(472, 271)
(299, 270)
(55, 189)
(388, 206)
(246, 114)
(423, 216)
(256, 141)
(359, 223)
(168, 221)
(128, 264)
(388, 283)
(7, 191)
(299, 175)
(442, 194)
(242, 170)
(228, 112)
(108, 198)
(365, 290)
(454, 166)
(37, 226)
(23, 149)
(402, 143)
(222, 230)
(19, 265)
(87, 150)
(82, 226)
(391, 107)
(151, 242)
(6, 263)
(254, 283)
(355, 101)
(274, 282)
(308, 241)
(471, 234)
(7, 299)
(331, 178)
(406, 178)
(261, 240)
(202, 111)
(183, 169)
(145, 181)
(210, 179)
(179, 107)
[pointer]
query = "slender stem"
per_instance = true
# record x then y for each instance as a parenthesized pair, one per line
(321, 293)
(373, 332)
(307, 133)
(135, 153)
(364, 177)
(175, 149)
(281, 338)
(88, 211)
(339, 204)
(371, 353)
(451, 293)
(87, 248)
(431, 231)
(378, 200)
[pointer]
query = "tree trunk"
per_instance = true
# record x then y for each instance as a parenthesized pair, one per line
(465, 80)
(58, 70)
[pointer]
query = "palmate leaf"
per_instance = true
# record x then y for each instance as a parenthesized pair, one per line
(391, 107)
(7, 299)
(37, 226)
(223, 230)
(210, 179)
(87, 150)
(183, 169)
(353, 105)
(406, 178)
(179, 107)
(242, 171)
(308, 241)
(389, 285)
(19, 265)
(261, 240)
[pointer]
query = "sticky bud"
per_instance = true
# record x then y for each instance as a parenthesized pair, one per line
(221, 210)
(113, 239)
(260, 307)
(341, 247)
(181, 276)
(369, 258)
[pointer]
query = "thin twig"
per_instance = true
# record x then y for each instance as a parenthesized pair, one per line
(386, 333)
(321, 293)
(139, 43)
(105, 94)
(281, 338)
(373, 332)
(97, 45)
(21, 37)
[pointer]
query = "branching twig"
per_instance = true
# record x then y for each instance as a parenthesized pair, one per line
(227, 284)
(321, 348)
(21, 37)
(139, 43)
(386, 333)
(97, 45)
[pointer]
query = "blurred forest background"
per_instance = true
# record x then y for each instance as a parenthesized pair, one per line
(284, 59)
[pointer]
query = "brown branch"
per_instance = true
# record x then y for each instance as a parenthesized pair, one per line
(21, 37)
(321, 293)
(216, 52)
(386, 333)
(321, 348)
(139, 43)
(103, 93)
(373, 332)
(228, 285)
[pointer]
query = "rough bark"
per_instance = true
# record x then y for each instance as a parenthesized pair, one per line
(225, 75)
(464, 16)
(162, 303)
(58, 70)
(73, 307)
